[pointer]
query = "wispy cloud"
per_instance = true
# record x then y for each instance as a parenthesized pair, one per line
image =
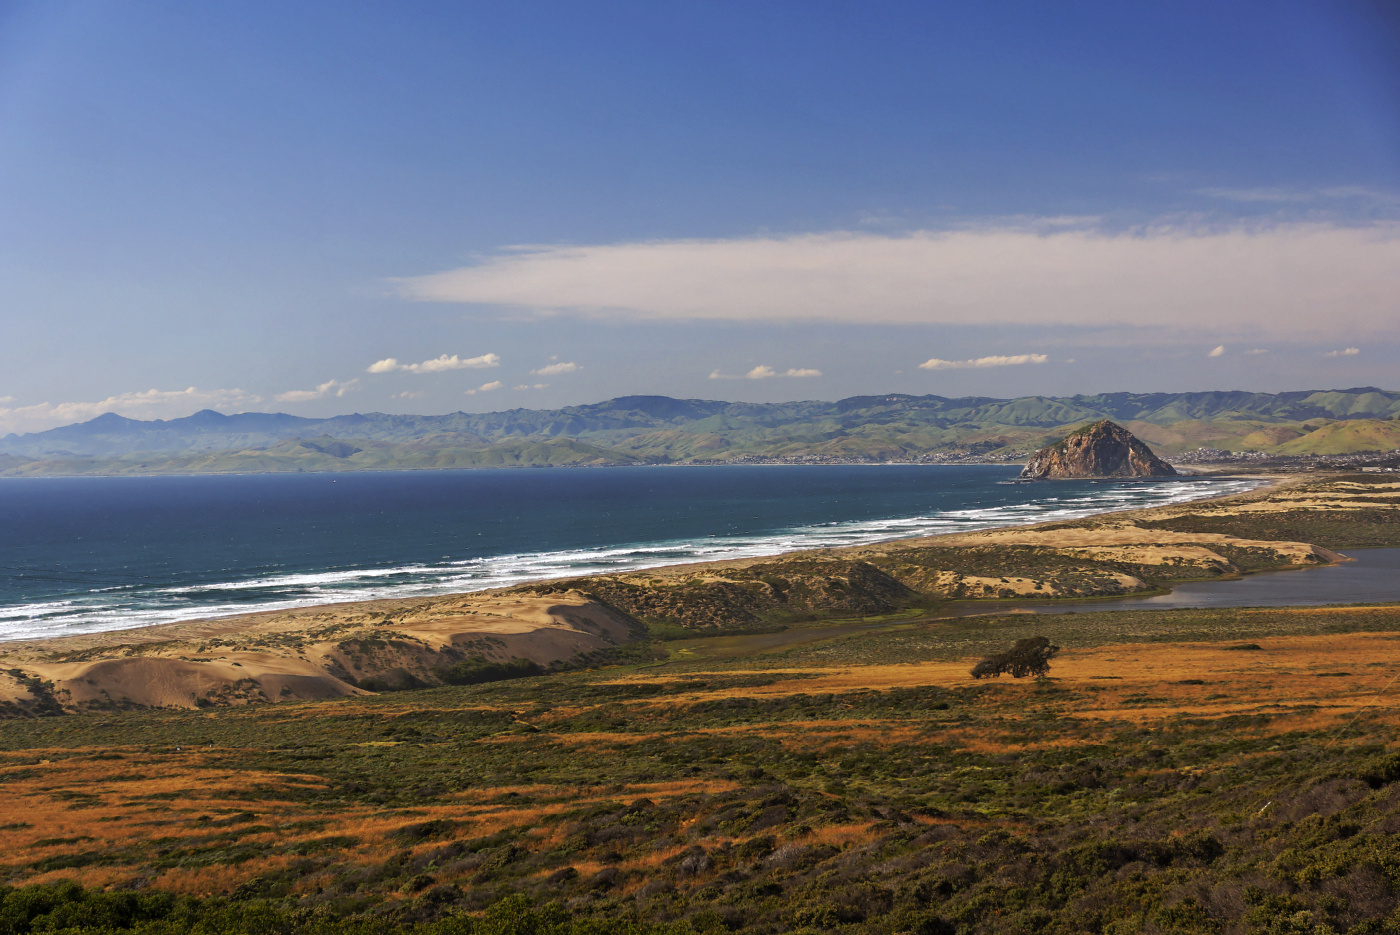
(1218, 351)
(1344, 352)
(936, 363)
(1255, 351)
(765, 372)
(1265, 279)
(486, 387)
(436, 365)
(532, 386)
(550, 370)
(148, 404)
(322, 391)
(408, 394)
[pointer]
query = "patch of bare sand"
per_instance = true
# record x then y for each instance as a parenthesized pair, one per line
(1131, 543)
(307, 654)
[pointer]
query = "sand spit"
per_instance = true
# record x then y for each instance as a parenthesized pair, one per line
(355, 648)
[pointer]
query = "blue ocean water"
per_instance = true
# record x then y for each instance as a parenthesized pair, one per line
(83, 554)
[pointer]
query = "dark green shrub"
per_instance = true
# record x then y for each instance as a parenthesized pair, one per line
(1030, 656)
(1380, 771)
(478, 670)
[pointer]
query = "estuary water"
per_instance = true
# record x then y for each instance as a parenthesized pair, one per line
(85, 554)
(1368, 575)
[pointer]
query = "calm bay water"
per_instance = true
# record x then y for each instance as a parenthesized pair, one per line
(1370, 575)
(82, 554)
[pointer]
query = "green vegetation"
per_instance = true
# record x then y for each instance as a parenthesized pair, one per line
(1030, 656)
(69, 908)
(1368, 518)
(1337, 530)
(792, 747)
(758, 596)
(774, 785)
(654, 429)
(478, 670)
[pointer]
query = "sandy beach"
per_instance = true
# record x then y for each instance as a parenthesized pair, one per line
(351, 648)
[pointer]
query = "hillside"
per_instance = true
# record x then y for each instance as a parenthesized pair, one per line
(444, 766)
(658, 429)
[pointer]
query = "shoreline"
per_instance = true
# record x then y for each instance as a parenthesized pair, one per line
(329, 650)
(1267, 482)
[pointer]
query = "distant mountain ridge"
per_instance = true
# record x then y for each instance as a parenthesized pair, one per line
(632, 429)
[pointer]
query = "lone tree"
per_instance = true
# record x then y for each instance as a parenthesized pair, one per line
(1028, 657)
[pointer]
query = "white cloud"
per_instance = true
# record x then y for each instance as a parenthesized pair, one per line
(550, 370)
(1217, 351)
(436, 365)
(486, 387)
(531, 386)
(149, 404)
(765, 372)
(408, 394)
(6, 399)
(1254, 351)
(323, 390)
(1278, 280)
(1344, 352)
(935, 363)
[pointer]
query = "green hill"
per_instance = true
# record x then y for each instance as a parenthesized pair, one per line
(658, 429)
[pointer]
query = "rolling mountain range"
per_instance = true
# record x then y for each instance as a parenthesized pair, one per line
(659, 429)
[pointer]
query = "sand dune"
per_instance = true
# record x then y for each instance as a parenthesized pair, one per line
(316, 652)
(353, 648)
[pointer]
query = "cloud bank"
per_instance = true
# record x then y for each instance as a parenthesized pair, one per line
(1288, 279)
(436, 365)
(935, 363)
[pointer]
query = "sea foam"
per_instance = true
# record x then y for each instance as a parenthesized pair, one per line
(133, 604)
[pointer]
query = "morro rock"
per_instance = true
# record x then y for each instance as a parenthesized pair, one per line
(1099, 449)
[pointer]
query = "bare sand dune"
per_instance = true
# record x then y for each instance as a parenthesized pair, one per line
(315, 652)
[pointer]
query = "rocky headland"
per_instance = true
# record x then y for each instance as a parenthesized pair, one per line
(1099, 449)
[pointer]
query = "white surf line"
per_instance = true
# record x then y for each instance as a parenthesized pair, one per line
(490, 572)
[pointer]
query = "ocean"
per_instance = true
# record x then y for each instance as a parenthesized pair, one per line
(86, 554)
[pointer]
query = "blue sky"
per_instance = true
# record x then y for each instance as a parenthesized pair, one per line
(321, 208)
